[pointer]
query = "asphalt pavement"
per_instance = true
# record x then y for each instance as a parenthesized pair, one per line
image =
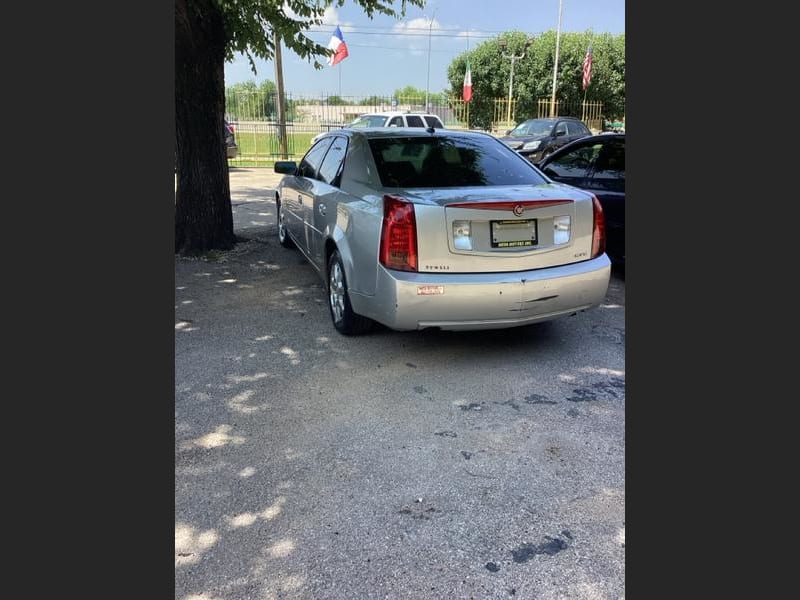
(392, 465)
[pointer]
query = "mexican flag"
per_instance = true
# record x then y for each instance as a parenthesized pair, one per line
(467, 93)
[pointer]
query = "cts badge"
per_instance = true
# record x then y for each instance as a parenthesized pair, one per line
(430, 290)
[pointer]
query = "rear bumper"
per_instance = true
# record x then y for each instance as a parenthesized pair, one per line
(485, 300)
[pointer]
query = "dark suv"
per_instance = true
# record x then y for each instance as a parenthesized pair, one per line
(536, 138)
(230, 140)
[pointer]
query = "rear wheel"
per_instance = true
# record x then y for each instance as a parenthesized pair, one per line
(344, 319)
(283, 235)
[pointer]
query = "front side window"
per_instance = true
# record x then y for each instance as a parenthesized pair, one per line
(311, 161)
(561, 129)
(611, 161)
(396, 122)
(443, 162)
(331, 166)
(575, 163)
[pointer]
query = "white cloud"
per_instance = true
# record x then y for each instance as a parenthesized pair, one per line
(415, 34)
(419, 26)
(331, 17)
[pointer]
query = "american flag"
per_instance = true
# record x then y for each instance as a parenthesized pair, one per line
(587, 68)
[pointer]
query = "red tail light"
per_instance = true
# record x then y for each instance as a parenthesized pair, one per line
(599, 229)
(398, 234)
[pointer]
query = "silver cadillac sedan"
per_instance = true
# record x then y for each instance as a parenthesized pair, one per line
(418, 228)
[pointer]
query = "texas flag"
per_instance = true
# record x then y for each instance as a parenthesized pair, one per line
(338, 46)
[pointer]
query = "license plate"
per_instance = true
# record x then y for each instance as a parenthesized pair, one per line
(513, 234)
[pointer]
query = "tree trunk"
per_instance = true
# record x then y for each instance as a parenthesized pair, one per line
(203, 215)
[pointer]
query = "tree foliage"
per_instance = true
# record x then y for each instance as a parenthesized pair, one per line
(207, 33)
(411, 93)
(336, 101)
(533, 75)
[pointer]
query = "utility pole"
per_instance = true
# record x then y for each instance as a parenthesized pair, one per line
(555, 66)
(281, 100)
(428, 81)
(513, 57)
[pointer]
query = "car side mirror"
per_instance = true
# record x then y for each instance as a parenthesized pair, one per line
(560, 133)
(507, 132)
(287, 167)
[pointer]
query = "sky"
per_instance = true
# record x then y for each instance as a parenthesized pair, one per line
(387, 53)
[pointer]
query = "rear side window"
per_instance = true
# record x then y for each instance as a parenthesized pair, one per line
(313, 158)
(414, 121)
(577, 128)
(443, 162)
(333, 161)
(396, 122)
(434, 122)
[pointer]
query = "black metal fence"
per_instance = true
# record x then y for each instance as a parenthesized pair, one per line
(253, 116)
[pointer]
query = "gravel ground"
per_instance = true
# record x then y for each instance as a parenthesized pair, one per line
(393, 465)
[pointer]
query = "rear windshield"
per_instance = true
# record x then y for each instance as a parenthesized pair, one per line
(442, 162)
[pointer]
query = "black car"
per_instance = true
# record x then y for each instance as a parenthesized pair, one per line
(596, 164)
(230, 141)
(537, 138)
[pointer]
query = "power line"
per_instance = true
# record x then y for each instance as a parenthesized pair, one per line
(404, 49)
(401, 34)
(419, 28)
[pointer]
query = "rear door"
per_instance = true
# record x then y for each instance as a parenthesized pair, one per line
(576, 131)
(322, 210)
(302, 192)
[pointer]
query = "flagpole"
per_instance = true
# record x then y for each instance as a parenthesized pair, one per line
(555, 64)
(583, 116)
(470, 79)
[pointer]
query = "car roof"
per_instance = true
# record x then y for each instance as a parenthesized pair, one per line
(397, 114)
(384, 132)
(552, 119)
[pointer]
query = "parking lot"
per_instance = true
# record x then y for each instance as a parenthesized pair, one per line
(392, 465)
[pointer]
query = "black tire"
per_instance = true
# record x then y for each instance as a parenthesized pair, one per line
(283, 235)
(344, 319)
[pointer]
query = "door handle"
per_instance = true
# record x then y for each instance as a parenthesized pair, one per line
(322, 209)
